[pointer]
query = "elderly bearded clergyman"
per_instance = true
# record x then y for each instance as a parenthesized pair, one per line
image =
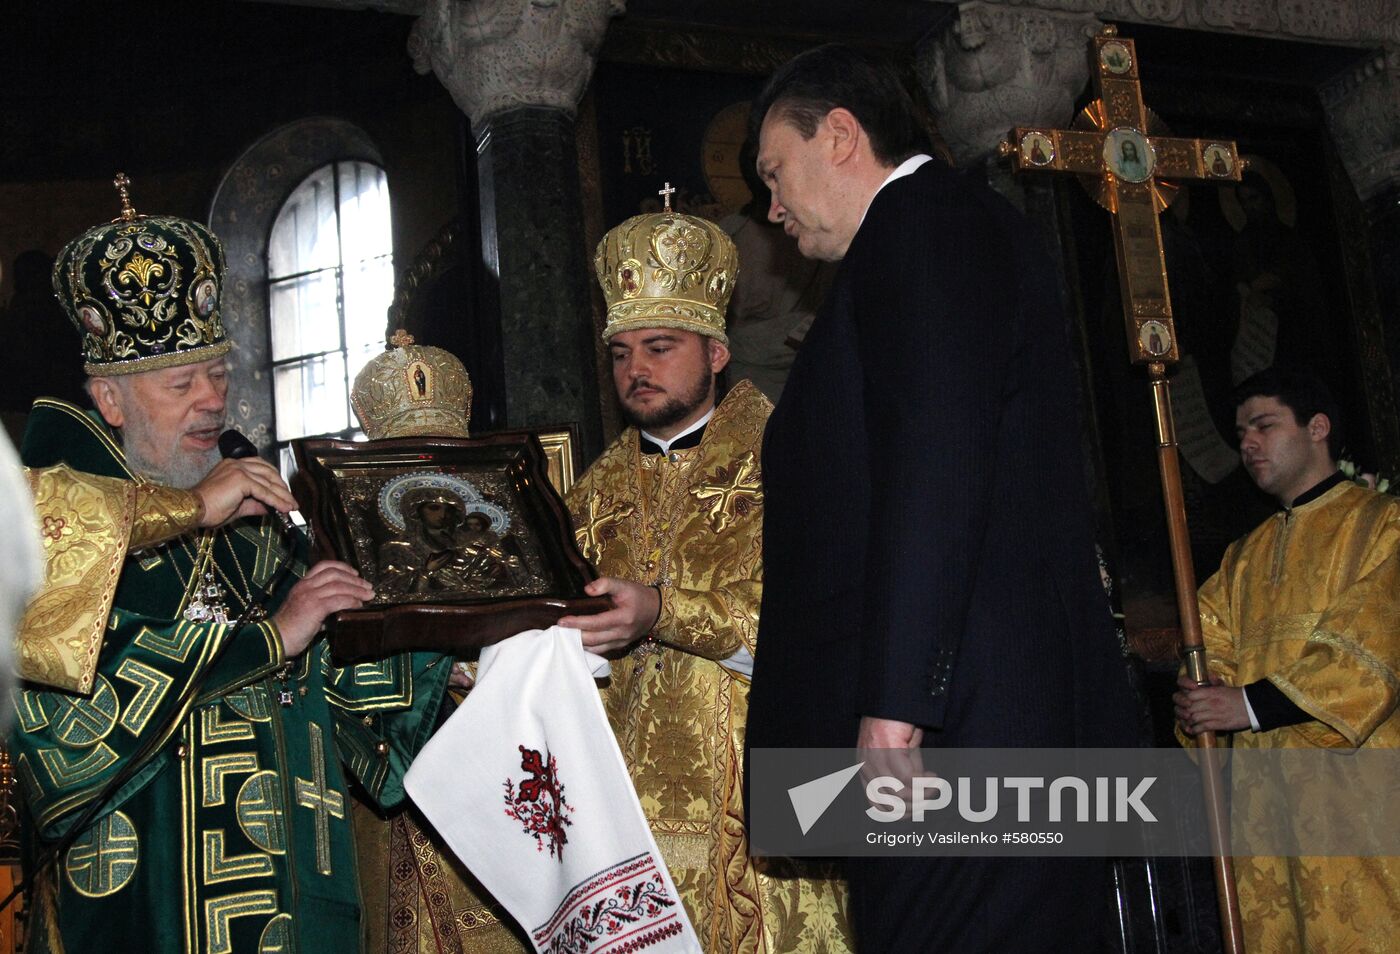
(233, 833)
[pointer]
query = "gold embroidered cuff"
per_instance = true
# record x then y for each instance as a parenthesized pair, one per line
(666, 618)
(163, 513)
(687, 623)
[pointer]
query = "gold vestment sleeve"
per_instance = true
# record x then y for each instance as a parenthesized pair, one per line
(86, 524)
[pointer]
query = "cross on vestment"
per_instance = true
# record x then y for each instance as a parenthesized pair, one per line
(729, 489)
(324, 801)
(1124, 156)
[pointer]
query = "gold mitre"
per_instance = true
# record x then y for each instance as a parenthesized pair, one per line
(412, 391)
(667, 270)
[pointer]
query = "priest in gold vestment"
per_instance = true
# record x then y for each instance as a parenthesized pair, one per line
(1302, 631)
(671, 517)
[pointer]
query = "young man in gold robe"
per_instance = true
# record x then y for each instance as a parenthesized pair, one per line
(671, 516)
(1299, 626)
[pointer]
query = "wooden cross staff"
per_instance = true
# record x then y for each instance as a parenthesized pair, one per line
(1122, 153)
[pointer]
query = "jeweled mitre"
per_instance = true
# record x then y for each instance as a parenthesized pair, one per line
(667, 270)
(143, 291)
(413, 391)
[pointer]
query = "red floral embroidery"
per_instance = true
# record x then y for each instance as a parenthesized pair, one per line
(620, 910)
(54, 527)
(539, 805)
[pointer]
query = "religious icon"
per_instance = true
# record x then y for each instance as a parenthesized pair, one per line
(450, 542)
(1218, 160)
(206, 296)
(1155, 338)
(465, 541)
(1115, 57)
(629, 278)
(1128, 154)
(1037, 148)
(420, 381)
(92, 321)
(720, 149)
(636, 151)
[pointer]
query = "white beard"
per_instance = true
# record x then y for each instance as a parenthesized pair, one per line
(182, 469)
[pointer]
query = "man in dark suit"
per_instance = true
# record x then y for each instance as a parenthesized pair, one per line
(957, 602)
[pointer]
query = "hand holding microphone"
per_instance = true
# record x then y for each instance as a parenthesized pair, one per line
(242, 485)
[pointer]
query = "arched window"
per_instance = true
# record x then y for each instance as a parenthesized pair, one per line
(330, 280)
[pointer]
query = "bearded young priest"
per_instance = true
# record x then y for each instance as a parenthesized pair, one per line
(671, 515)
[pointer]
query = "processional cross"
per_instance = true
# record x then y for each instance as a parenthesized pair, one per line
(1122, 153)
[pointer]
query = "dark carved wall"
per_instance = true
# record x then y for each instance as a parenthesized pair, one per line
(174, 97)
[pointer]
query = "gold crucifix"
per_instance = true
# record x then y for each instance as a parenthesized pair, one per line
(1122, 154)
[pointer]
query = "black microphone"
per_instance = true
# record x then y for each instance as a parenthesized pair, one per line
(233, 445)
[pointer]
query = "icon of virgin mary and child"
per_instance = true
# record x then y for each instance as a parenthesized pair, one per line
(451, 543)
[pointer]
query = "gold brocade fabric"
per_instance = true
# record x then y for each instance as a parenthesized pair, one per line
(86, 523)
(1311, 601)
(418, 899)
(162, 513)
(691, 521)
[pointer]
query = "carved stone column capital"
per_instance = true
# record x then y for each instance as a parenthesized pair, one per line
(1363, 111)
(997, 67)
(498, 55)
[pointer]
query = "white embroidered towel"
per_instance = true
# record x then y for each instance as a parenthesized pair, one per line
(527, 786)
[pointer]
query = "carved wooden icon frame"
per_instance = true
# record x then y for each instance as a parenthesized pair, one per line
(502, 561)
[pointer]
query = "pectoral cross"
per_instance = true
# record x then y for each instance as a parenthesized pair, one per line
(207, 602)
(1122, 154)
